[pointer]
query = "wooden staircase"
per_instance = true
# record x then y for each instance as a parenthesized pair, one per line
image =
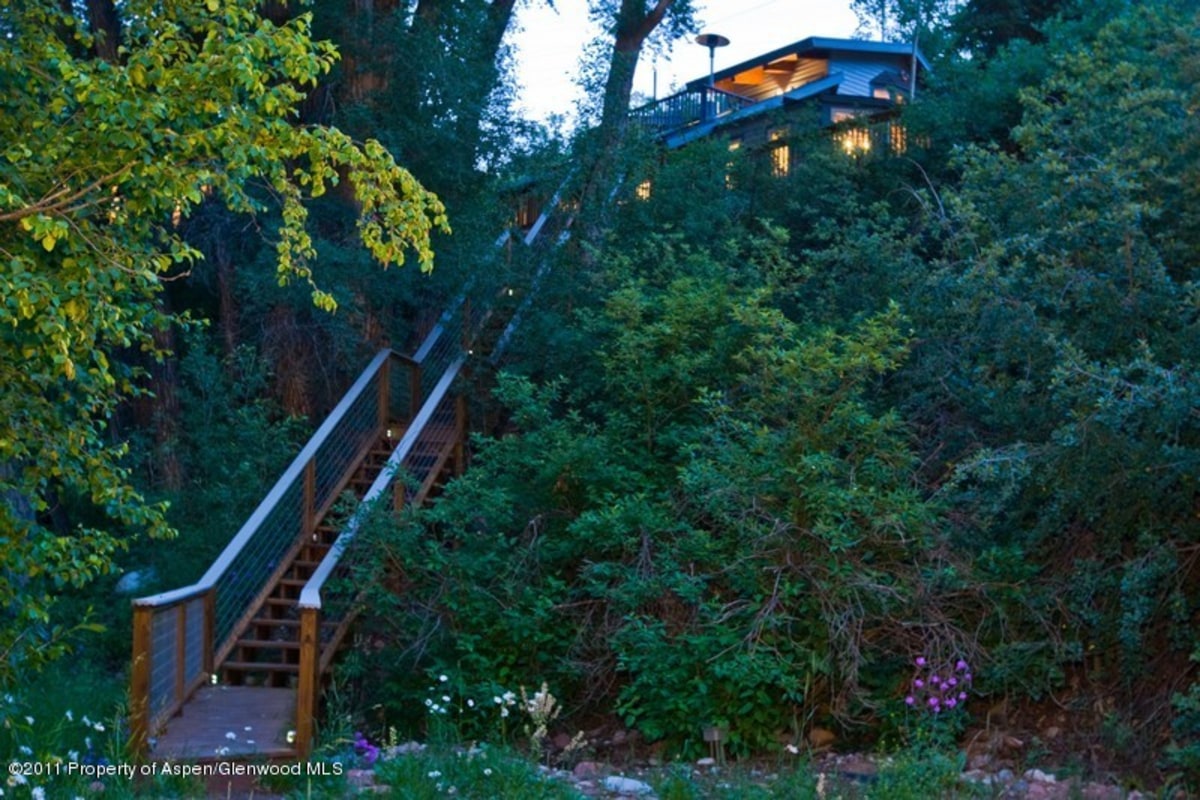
(266, 648)
(232, 666)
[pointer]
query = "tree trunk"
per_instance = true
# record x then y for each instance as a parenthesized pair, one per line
(106, 27)
(634, 25)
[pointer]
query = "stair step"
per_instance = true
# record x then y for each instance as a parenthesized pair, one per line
(259, 666)
(289, 623)
(281, 601)
(269, 644)
(294, 582)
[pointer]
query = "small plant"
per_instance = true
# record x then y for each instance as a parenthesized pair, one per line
(936, 702)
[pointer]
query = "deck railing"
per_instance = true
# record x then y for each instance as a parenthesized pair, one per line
(689, 107)
(179, 636)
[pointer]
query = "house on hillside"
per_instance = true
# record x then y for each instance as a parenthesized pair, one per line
(853, 85)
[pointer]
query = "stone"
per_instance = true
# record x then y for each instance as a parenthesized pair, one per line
(623, 785)
(977, 776)
(586, 769)
(360, 778)
(135, 581)
(821, 738)
(1005, 776)
(1038, 775)
(706, 762)
(1051, 733)
(979, 761)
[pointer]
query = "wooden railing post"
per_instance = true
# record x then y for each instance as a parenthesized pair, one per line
(210, 631)
(460, 435)
(139, 683)
(385, 394)
(309, 681)
(310, 497)
(414, 392)
(180, 651)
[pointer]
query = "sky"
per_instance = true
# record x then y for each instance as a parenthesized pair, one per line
(550, 43)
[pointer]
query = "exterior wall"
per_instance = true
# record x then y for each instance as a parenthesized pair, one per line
(860, 69)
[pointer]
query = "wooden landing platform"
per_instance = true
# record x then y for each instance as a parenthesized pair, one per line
(258, 717)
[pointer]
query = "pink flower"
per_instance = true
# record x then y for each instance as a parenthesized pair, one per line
(961, 666)
(920, 684)
(921, 661)
(910, 700)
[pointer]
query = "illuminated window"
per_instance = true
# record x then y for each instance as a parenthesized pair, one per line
(642, 192)
(855, 141)
(781, 154)
(880, 93)
(897, 138)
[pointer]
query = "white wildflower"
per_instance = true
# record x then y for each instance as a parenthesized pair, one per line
(231, 736)
(70, 715)
(435, 774)
(37, 793)
(443, 678)
(470, 703)
(26, 750)
(29, 719)
(445, 698)
(487, 771)
(16, 779)
(72, 755)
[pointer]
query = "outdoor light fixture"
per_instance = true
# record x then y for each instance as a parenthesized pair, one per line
(712, 41)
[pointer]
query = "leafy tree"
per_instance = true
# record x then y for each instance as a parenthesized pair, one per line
(100, 154)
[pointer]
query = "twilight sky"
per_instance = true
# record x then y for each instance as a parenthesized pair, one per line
(550, 43)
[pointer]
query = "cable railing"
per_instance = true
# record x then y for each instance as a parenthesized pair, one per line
(407, 477)
(180, 636)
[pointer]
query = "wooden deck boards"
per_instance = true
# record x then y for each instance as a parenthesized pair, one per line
(258, 717)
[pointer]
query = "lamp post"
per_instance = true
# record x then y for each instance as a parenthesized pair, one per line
(712, 41)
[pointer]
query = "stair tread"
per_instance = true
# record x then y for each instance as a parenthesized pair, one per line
(269, 644)
(260, 666)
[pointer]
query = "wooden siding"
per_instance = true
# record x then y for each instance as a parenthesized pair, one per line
(860, 69)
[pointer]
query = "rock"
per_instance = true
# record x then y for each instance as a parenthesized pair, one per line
(821, 738)
(623, 785)
(619, 737)
(1005, 776)
(706, 762)
(586, 769)
(360, 778)
(977, 776)
(1051, 733)
(136, 581)
(1038, 775)
(978, 761)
